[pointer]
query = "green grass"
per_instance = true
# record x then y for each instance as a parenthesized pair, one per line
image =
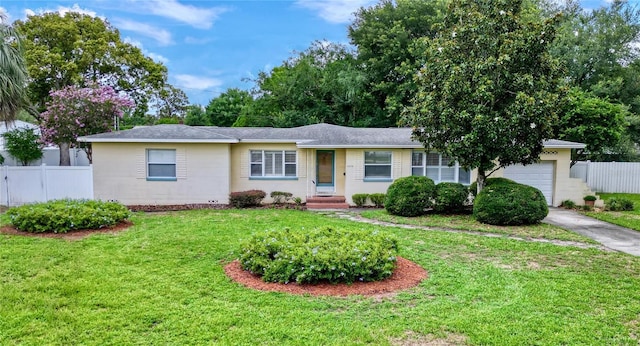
(162, 282)
(468, 223)
(629, 219)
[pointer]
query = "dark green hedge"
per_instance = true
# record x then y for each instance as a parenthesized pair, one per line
(510, 204)
(410, 196)
(450, 197)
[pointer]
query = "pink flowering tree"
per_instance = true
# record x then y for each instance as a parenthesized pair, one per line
(74, 112)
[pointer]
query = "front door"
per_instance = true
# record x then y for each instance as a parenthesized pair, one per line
(325, 163)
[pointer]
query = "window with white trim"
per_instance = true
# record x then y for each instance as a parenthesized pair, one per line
(161, 164)
(377, 165)
(274, 163)
(436, 167)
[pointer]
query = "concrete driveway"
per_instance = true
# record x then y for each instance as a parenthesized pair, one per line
(612, 236)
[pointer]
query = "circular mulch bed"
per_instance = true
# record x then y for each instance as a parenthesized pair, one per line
(406, 275)
(71, 235)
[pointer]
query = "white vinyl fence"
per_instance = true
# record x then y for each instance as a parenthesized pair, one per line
(623, 177)
(28, 184)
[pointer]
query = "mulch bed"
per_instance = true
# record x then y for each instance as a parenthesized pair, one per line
(407, 274)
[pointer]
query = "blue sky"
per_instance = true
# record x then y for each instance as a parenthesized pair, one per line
(209, 46)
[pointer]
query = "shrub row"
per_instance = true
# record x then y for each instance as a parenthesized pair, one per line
(280, 197)
(61, 216)
(324, 254)
(360, 199)
(412, 196)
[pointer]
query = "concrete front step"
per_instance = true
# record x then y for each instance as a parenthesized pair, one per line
(327, 202)
(327, 206)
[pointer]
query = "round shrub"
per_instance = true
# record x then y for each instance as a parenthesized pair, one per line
(61, 216)
(510, 204)
(323, 254)
(450, 197)
(410, 196)
(473, 188)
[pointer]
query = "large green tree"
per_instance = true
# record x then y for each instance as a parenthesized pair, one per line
(13, 72)
(171, 102)
(324, 83)
(598, 123)
(225, 109)
(385, 36)
(74, 49)
(488, 91)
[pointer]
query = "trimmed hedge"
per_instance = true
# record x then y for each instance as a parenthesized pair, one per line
(377, 199)
(280, 197)
(510, 204)
(410, 196)
(359, 199)
(246, 199)
(324, 254)
(62, 216)
(450, 197)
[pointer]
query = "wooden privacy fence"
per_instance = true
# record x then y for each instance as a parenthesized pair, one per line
(28, 184)
(622, 177)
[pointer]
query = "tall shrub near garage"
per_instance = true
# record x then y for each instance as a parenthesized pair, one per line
(510, 204)
(410, 196)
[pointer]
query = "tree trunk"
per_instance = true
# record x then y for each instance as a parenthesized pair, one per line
(65, 159)
(482, 178)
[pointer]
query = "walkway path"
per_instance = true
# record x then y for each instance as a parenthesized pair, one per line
(612, 236)
(353, 215)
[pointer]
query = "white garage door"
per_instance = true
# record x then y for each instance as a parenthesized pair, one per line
(538, 175)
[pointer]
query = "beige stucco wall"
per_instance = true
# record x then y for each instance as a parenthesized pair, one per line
(240, 171)
(203, 174)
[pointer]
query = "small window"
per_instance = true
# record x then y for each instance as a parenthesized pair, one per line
(436, 167)
(273, 163)
(377, 165)
(161, 164)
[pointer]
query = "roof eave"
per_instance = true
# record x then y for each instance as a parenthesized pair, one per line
(154, 140)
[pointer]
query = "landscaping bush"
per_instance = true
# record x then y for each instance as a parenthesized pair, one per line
(61, 216)
(377, 199)
(324, 254)
(410, 196)
(619, 204)
(450, 197)
(473, 188)
(510, 204)
(359, 199)
(568, 204)
(280, 197)
(246, 199)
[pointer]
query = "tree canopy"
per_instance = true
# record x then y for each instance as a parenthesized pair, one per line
(488, 91)
(74, 49)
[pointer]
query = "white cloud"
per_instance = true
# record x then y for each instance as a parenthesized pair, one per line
(198, 17)
(154, 56)
(197, 82)
(162, 36)
(62, 10)
(334, 11)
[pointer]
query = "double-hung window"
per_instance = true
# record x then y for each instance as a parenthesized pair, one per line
(161, 164)
(436, 167)
(377, 165)
(274, 163)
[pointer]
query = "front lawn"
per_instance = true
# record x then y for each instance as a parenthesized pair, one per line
(468, 223)
(162, 282)
(629, 219)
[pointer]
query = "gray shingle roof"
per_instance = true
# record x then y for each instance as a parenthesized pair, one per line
(310, 136)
